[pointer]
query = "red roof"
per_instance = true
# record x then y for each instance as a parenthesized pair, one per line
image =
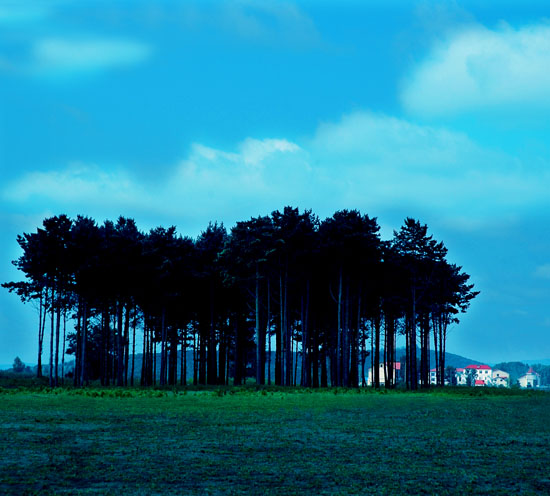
(479, 367)
(480, 383)
(433, 370)
(460, 370)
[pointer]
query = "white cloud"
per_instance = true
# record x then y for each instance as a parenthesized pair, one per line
(207, 183)
(65, 56)
(368, 161)
(78, 183)
(480, 67)
(543, 271)
(254, 152)
(385, 162)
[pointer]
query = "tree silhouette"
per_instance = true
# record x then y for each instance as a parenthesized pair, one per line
(330, 293)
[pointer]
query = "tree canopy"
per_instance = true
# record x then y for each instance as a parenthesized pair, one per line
(325, 294)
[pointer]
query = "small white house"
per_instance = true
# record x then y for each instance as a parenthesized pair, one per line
(530, 380)
(382, 371)
(433, 377)
(501, 378)
(461, 379)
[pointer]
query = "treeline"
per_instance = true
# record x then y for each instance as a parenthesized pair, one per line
(327, 293)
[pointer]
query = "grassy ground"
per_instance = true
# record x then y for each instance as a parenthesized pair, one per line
(273, 442)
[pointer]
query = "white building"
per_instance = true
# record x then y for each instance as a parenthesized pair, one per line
(433, 377)
(461, 379)
(482, 375)
(382, 370)
(501, 378)
(530, 380)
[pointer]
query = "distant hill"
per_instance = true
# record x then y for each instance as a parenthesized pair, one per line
(451, 360)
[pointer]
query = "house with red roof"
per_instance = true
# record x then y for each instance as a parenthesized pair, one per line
(475, 375)
(529, 380)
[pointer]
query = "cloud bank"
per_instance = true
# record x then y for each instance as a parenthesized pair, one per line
(365, 160)
(479, 68)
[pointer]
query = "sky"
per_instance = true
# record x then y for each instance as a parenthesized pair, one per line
(181, 113)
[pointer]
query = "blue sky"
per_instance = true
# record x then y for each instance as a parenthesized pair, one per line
(185, 112)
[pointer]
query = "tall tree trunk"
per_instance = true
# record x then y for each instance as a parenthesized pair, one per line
(287, 332)
(212, 369)
(145, 352)
(162, 377)
(363, 359)
(408, 353)
(324, 372)
(126, 342)
(295, 364)
(442, 341)
(268, 331)
(63, 351)
(184, 372)
(372, 353)
(52, 314)
(259, 364)
(279, 338)
(438, 377)
(239, 355)
(83, 373)
(387, 366)
(222, 354)
(183, 360)
(76, 372)
(426, 350)
(119, 358)
(133, 346)
(339, 333)
(57, 336)
(173, 361)
(389, 322)
(195, 358)
(41, 332)
(354, 367)
(315, 357)
(377, 350)
(202, 353)
(346, 337)
(155, 353)
(414, 372)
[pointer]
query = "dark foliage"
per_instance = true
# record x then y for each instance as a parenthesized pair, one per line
(318, 296)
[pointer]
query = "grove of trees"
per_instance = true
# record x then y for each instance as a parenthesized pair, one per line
(327, 295)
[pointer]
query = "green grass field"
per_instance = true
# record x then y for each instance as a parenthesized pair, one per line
(273, 442)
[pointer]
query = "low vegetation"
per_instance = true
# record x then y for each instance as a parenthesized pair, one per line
(272, 441)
